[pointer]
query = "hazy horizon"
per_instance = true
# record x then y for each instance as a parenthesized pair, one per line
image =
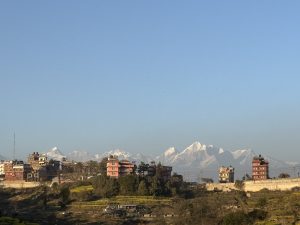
(144, 76)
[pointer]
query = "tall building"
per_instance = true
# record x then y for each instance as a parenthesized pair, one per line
(116, 167)
(260, 168)
(226, 174)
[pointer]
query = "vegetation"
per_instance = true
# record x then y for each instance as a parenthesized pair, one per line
(284, 175)
(159, 200)
(13, 221)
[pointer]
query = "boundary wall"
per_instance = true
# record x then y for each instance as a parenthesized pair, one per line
(18, 184)
(254, 186)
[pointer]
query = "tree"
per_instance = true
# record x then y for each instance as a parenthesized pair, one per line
(93, 167)
(128, 184)
(105, 186)
(143, 189)
(65, 196)
(247, 177)
(142, 168)
(79, 168)
(103, 166)
(284, 175)
(156, 187)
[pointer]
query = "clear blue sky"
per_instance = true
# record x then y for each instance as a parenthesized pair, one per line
(146, 75)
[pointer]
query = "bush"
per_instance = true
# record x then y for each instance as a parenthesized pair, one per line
(236, 218)
(262, 202)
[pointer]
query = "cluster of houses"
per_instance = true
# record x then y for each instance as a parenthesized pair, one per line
(260, 171)
(38, 168)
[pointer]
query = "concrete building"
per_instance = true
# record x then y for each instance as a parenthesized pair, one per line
(166, 172)
(260, 168)
(116, 167)
(226, 174)
(16, 170)
(37, 160)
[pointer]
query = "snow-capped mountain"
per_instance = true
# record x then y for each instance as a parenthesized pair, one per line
(199, 160)
(137, 158)
(55, 154)
(80, 156)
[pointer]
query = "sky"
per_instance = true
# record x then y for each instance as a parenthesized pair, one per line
(143, 76)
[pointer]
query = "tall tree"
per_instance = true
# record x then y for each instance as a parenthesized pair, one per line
(128, 184)
(103, 166)
(143, 189)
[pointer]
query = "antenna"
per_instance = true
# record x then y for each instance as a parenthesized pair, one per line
(14, 156)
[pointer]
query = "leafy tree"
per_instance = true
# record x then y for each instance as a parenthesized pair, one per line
(142, 168)
(128, 184)
(79, 168)
(156, 187)
(103, 166)
(93, 167)
(143, 189)
(105, 186)
(64, 195)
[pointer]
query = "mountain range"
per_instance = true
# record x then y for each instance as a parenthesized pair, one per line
(194, 162)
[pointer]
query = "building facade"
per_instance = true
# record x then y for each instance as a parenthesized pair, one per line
(260, 168)
(117, 168)
(37, 160)
(16, 170)
(226, 174)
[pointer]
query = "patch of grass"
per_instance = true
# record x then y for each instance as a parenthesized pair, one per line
(82, 189)
(149, 200)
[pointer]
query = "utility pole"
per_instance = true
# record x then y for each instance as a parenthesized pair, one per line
(14, 156)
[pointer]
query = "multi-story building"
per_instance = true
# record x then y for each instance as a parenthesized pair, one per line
(166, 172)
(260, 168)
(125, 168)
(116, 167)
(37, 160)
(16, 170)
(226, 174)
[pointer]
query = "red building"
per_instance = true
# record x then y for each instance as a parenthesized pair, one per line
(16, 171)
(260, 168)
(116, 167)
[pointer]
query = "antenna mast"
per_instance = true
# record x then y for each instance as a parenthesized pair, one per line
(14, 146)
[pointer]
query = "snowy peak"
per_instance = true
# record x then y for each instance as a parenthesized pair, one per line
(196, 146)
(55, 154)
(80, 156)
(170, 151)
(119, 153)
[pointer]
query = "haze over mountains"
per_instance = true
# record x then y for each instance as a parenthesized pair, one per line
(194, 162)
